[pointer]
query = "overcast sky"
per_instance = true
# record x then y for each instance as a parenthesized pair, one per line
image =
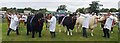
(52, 5)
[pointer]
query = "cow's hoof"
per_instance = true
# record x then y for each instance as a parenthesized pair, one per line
(68, 33)
(71, 34)
(33, 37)
(92, 35)
(40, 36)
(59, 30)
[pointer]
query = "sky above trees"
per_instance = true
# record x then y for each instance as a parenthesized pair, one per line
(52, 5)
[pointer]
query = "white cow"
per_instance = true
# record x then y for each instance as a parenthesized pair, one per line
(92, 24)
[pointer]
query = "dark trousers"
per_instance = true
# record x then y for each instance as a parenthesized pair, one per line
(84, 32)
(40, 27)
(33, 33)
(10, 30)
(25, 23)
(111, 28)
(52, 34)
(106, 33)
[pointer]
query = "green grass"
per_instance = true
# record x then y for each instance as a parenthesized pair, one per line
(0, 29)
(60, 36)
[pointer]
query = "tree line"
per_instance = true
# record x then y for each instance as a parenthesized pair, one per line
(93, 7)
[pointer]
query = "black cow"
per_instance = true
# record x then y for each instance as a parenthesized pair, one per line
(28, 24)
(36, 25)
(69, 22)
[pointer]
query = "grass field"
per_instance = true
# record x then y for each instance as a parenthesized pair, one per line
(0, 29)
(60, 36)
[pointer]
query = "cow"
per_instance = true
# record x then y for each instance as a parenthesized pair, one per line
(92, 24)
(69, 23)
(35, 24)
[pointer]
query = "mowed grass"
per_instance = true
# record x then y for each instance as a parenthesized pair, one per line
(60, 36)
(0, 30)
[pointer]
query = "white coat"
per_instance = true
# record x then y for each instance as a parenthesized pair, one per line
(14, 22)
(108, 22)
(86, 20)
(52, 24)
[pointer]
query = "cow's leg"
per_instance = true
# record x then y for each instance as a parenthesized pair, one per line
(40, 32)
(91, 32)
(59, 28)
(33, 33)
(77, 28)
(27, 33)
(65, 28)
(102, 25)
(80, 28)
(71, 32)
(28, 29)
(68, 32)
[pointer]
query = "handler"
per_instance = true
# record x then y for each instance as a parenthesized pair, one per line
(13, 23)
(108, 25)
(85, 24)
(52, 25)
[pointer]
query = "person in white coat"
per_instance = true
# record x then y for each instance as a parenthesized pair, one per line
(13, 24)
(108, 25)
(85, 24)
(52, 26)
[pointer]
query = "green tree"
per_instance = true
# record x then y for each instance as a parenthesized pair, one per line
(113, 10)
(4, 8)
(29, 9)
(44, 10)
(20, 10)
(61, 7)
(81, 10)
(94, 7)
(106, 10)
